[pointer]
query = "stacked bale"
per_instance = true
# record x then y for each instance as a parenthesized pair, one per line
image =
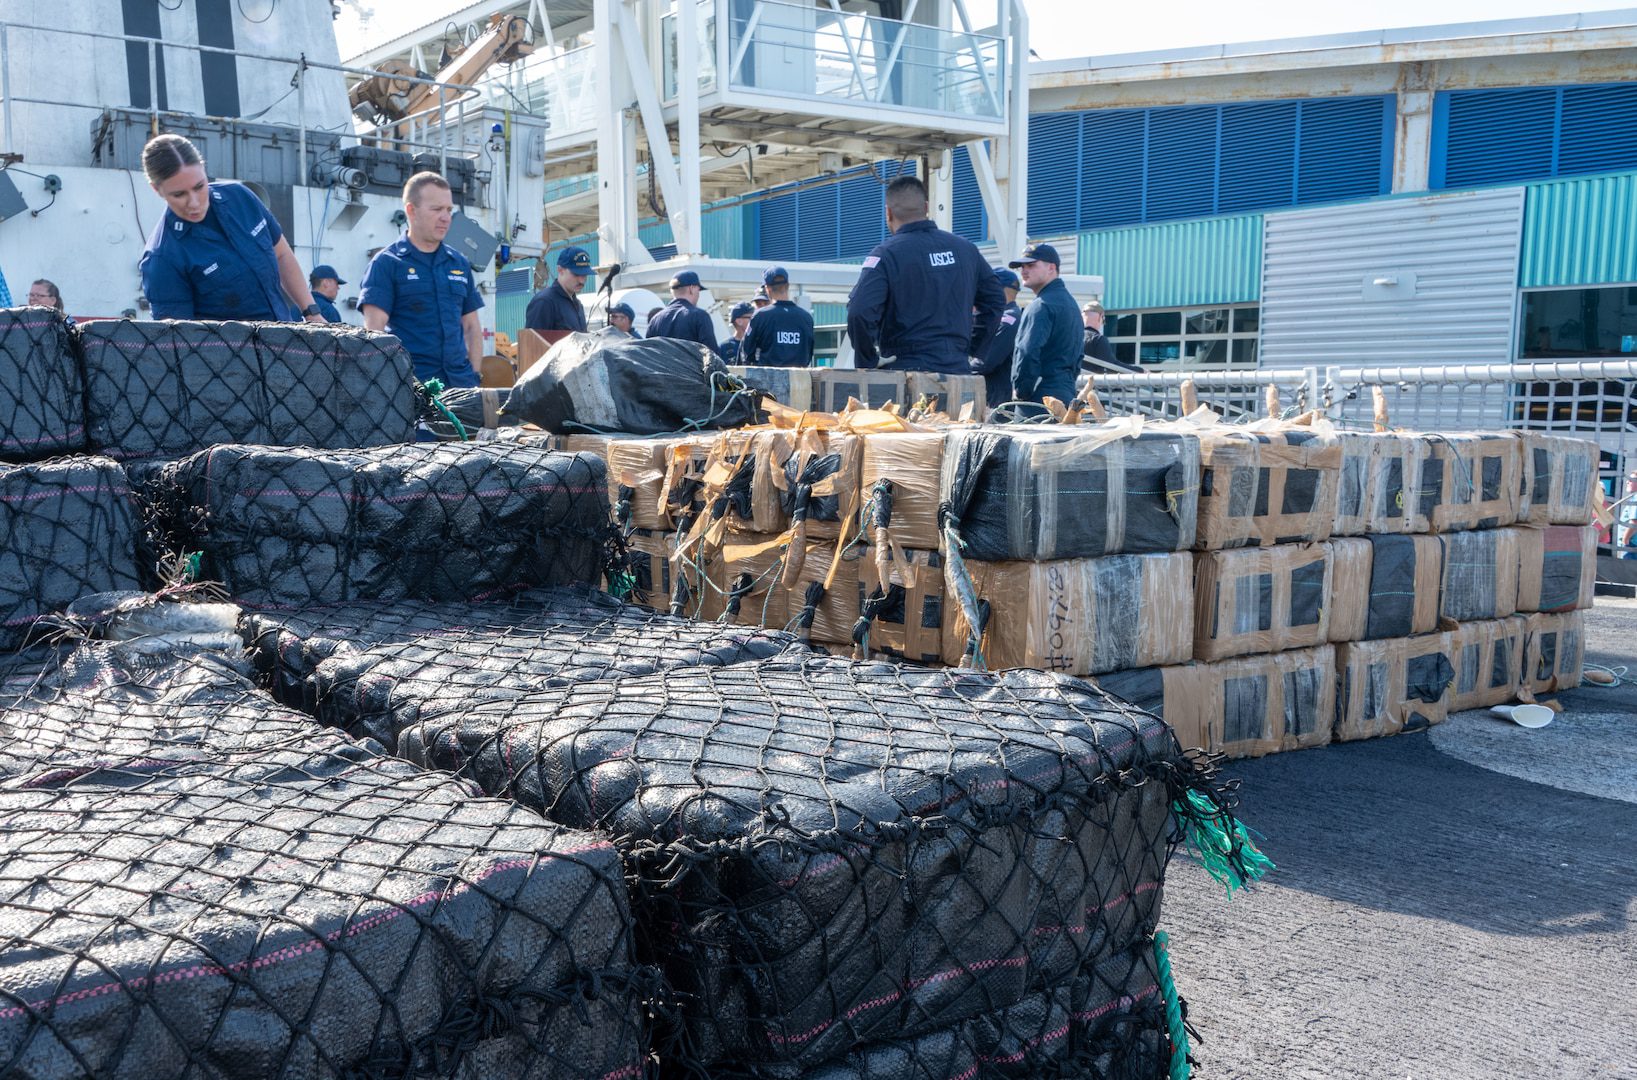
(42, 389)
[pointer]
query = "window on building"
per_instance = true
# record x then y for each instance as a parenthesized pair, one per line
(1187, 339)
(1578, 322)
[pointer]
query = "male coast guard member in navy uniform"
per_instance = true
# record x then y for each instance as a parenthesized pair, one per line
(924, 295)
(993, 358)
(424, 291)
(681, 319)
(326, 285)
(739, 319)
(1050, 334)
(780, 335)
(557, 306)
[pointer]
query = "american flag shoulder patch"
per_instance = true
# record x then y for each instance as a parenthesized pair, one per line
(872, 262)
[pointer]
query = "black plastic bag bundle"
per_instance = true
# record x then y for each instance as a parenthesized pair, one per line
(1043, 493)
(305, 908)
(67, 528)
(165, 389)
(1106, 1023)
(376, 667)
(295, 526)
(829, 854)
(600, 383)
(42, 392)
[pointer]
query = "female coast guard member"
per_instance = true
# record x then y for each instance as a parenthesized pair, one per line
(217, 253)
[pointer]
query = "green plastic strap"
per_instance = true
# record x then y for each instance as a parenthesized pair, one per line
(1220, 842)
(1173, 1007)
(621, 584)
(434, 387)
(190, 566)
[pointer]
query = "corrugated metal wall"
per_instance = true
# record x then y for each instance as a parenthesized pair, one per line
(1580, 232)
(1179, 264)
(1429, 280)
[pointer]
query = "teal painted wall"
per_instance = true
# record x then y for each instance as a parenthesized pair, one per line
(1580, 232)
(1176, 264)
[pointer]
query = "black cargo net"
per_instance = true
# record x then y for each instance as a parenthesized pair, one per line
(165, 389)
(42, 409)
(374, 668)
(294, 526)
(67, 528)
(842, 862)
(190, 887)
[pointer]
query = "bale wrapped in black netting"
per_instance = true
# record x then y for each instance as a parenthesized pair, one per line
(1106, 1023)
(295, 526)
(165, 389)
(1043, 493)
(828, 854)
(375, 667)
(304, 909)
(42, 390)
(67, 528)
(645, 386)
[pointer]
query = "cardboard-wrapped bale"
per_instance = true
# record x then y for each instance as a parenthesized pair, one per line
(1388, 484)
(1254, 705)
(1477, 481)
(791, 387)
(1488, 659)
(815, 476)
(682, 497)
(1557, 477)
(1480, 574)
(650, 552)
(825, 854)
(1261, 600)
(906, 611)
(68, 528)
(435, 521)
(1082, 616)
(739, 577)
(738, 490)
(960, 397)
(636, 482)
(1150, 689)
(1393, 685)
(42, 389)
(1554, 652)
(1557, 567)
(1266, 488)
(1384, 586)
(913, 464)
(872, 387)
(824, 605)
(1034, 493)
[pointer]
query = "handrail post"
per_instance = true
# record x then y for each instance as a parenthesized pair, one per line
(5, 85)
(301, 122)
(153, 90)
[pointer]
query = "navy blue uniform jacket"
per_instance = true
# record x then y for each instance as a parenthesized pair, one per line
(993, 359)
(220, 268)
(552, 308)
(1049, 340)
(424, 295)
(779, 336)
(914, 301)
(684, 321)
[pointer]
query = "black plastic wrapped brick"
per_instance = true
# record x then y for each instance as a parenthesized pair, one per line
(42, 391)
(375, 667)
(1071, 493)
(166, 389)
(294, 526)
(299, 908)
(652, 386)
(829, 854)
(67, 528)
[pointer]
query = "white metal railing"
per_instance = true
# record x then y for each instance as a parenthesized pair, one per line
(825, 52)
(560, 88)
(427, 130)
(1590, 399)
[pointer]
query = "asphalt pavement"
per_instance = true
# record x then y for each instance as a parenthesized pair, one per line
(1455, 904)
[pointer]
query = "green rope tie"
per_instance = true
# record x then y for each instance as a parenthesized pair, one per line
(621, 584)
(190, 566)
(1220, 842)
(434, 387)
(1173, 1007)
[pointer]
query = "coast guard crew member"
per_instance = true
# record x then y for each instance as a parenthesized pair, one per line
(620, 317)
(993, 358)
(915, 299)
(781, 335)
(424, 291)
(1050, 334)
(217, 253)
(681, 319)
(557, 306)
(740, 318)
(326, 285)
